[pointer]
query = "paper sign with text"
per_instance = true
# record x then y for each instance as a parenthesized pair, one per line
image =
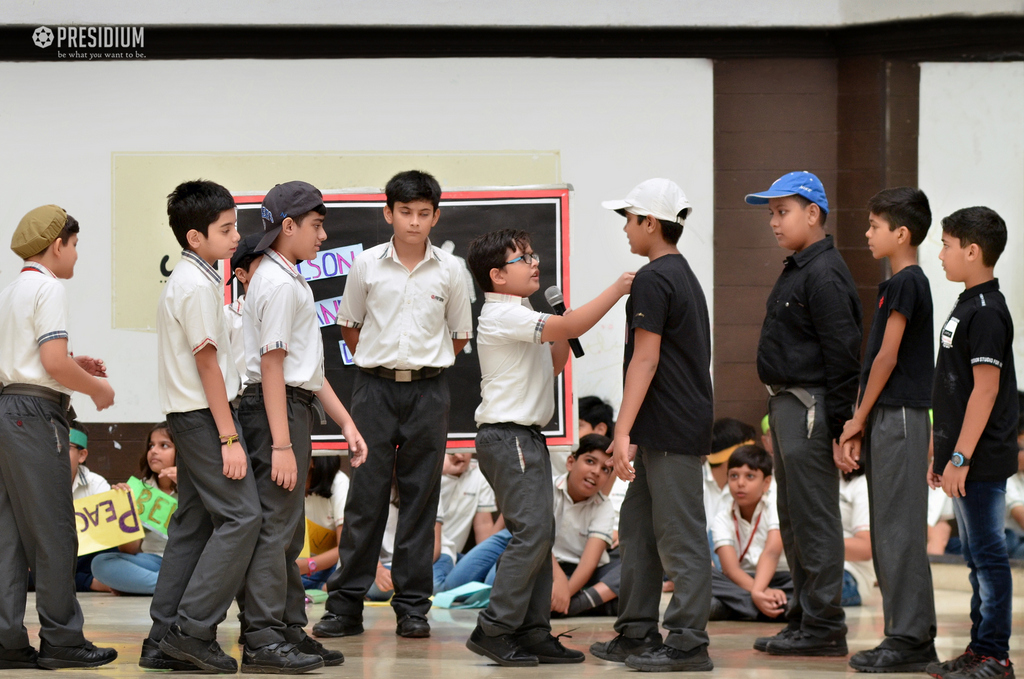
(318, 539)
(155, 506)
(106, 520)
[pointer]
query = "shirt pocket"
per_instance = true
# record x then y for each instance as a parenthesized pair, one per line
(428, 310)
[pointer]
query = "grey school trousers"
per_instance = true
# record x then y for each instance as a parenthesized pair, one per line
(515, 461)
(211, 535)
(739, 601)
(273, 601)
(809, 520)
(895, 456)
(662, 529)
(37, 523)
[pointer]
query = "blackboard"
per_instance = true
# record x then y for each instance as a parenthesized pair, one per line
(355, 222)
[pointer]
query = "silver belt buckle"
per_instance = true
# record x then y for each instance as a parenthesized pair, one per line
(403, 376)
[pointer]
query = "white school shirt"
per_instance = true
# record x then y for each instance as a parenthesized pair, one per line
(516, 373)
(714, 497)
(940, 506)
(462, 497)
(189, 318)
(577, 522)
(33, 311)
(87, 483)
(730, 528)
(233, 317)
(387, 545)
(853, 507)
(279, 313)
(329, 512)
(1014, 498)
(406, 319)
(616, 497)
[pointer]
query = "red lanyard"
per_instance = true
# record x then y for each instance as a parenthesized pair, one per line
(753, 532)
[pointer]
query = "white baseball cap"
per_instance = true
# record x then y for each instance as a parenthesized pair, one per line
(660, 198)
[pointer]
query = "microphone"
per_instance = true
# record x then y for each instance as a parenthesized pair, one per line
(554, 297)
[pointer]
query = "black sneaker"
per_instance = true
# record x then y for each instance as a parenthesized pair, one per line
(332, 625)
(18, 658)
(153, 658)
(502, 649)
(803, 644)
(550, 651)
(206, 654)
(941, 670)
(412, 627)
(279, 658)
(311, 646)
(761, 643)
(61, 657)
(668, 659)
(621, 647)
(880, 659)
(983, 667)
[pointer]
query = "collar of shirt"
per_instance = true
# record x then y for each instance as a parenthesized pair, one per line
(760, 508)
(80, 479)
(236, 306)
(502, 298)
(810, 252)
(980, 289)
(282, 262)
(562, 484)
(36, 266)
(428, 254)
(202, 265)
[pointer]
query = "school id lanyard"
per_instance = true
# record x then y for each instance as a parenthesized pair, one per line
(753, 532)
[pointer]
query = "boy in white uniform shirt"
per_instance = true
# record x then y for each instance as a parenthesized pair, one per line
(244, 262)
(858, 568)
(518, 370)
(467, 502)
(37, 517)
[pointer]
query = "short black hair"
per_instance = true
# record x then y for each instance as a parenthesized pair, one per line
(804, 202)
(592, 442)
(594, 410)
(670, 231)
(405, 187)
(727, 432)
(753, 456)
(904, 206)
(488, 252)
(195, 205)
(981, 225)
(322, 473)
(70, 228)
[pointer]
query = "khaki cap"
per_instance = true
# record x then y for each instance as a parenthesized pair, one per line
(37, 230)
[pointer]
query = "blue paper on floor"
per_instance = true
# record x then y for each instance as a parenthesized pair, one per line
(470, 595)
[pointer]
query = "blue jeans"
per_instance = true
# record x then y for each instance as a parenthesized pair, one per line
(851, 595)
(980, 517)
(128, 573)
(442, 567)
(318, 579)
(479, 565)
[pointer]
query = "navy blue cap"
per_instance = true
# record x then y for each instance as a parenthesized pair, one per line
(803, 184)
(248, 246)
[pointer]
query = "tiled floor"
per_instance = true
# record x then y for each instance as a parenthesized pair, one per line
(122, 622)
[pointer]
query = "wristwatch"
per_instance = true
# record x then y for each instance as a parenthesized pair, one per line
(959, 459)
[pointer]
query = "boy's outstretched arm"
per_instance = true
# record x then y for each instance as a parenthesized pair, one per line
(979, 409)
(283, 470)
(235, 460)
(584, 318)
(334, 407)
(66, 370)
(643, 365)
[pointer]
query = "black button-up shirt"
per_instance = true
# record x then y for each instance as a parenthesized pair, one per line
(812, 330)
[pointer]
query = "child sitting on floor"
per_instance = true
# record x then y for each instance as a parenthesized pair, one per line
(326, 491)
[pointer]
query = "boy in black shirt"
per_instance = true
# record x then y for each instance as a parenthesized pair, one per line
(892, 421)
(975, 435)
(807, 357)
(665, 422)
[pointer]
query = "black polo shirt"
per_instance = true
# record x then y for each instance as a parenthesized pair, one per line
(979, 330)
(910, 383)
(678, 411)
(812, 330)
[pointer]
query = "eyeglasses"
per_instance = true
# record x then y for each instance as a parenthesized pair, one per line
(528, 257)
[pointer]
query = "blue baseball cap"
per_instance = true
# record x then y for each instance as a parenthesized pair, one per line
(803, 184)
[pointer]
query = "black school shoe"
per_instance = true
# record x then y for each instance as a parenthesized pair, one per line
(880, 659)
(801, 643)
(550, 651)
(412, 627)
(153, 658)
(311, 646)
(279, 658)
(621, 647)
(332, 626)
(61, 657)
(668, 659)
(761, 643)
(502, 649)
(207, 655)
(18, 658)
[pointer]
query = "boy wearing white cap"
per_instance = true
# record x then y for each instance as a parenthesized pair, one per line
(664, 428)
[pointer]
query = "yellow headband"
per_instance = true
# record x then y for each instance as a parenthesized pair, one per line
(724, 455)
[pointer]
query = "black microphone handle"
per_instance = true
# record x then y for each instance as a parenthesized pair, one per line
(574, 344)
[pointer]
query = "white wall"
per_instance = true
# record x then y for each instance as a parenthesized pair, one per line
(60, 123)
(971, 152)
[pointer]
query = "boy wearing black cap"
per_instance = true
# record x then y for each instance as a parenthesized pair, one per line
(809, 359)
(663, 430)
(37, 517)
(214, 529)
(243, 265)
(405, 316)
(285, 367)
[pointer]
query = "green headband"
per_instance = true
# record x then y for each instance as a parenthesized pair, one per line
(79, 438)
(764, 425)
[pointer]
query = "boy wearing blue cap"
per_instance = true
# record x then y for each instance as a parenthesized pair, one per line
(808, 358)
